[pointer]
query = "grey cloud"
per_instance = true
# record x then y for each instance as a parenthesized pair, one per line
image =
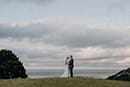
(35, 53)
(30, 31)
(43, 54)
(84, 37)
(107, 57)
(75, 36)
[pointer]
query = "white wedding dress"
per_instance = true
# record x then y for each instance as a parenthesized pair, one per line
(66, 71)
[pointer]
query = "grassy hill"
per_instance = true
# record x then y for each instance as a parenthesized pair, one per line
(63, 82)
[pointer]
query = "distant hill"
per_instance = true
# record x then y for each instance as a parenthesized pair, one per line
(123, 75)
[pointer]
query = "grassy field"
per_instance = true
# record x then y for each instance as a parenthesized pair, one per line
(63, 82)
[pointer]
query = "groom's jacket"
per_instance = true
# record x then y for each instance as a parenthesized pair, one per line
(71, 63)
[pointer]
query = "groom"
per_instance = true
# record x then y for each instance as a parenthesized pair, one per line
(71, 65)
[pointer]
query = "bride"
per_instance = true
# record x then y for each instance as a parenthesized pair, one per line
(66, 71)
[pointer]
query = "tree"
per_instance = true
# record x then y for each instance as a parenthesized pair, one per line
(10, 66)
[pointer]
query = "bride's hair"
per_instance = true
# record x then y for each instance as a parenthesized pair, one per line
(67, 58)
(66, 61)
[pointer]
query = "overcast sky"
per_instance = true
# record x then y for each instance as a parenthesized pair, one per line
(44, 32)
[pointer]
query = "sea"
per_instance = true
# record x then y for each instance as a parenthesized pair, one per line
(95, 73)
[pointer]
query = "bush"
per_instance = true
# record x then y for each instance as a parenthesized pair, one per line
(10, 66)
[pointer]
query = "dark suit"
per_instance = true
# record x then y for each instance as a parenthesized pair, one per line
(71, 66)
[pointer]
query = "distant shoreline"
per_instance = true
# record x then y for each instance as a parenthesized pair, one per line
(98, 73)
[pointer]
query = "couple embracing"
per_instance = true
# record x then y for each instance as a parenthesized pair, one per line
(69, 65)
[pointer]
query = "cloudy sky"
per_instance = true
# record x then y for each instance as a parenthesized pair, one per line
(43, 32)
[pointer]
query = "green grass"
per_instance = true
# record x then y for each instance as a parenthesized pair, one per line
(63, 82)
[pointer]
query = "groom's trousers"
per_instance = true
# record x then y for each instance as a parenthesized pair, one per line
(71, 72)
